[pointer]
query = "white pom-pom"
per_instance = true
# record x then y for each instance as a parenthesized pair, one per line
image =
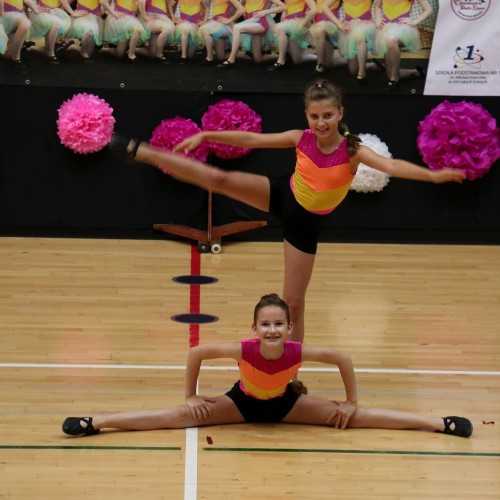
(367, 179)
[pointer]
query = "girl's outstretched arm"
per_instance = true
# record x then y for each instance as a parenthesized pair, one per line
(404, 169)
(199, 406)
(342, 359)
(339, 358)
(288, 139)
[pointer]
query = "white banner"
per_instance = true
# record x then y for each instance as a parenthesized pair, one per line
(465, 53)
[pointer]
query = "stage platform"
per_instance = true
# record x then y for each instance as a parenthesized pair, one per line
(111, 73)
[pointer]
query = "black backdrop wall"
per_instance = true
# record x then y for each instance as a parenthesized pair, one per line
(46, 189)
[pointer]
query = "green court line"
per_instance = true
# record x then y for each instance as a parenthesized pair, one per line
(257, 450)
(70, 447)
(356, 452)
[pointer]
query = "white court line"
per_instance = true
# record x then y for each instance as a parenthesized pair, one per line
(235, 368)
(191, 462)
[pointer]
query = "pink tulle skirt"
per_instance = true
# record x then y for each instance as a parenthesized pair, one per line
(408, 37)
(42, 23)
(85, 24)
(121, 29)
(294, 30)
(359, 28)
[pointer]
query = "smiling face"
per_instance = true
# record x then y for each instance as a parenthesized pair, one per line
(272, 328)
(323, 118)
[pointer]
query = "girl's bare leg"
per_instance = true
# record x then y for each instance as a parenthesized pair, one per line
(317, 411)
(209, 44)
(282, 45)
(134, 40)
(88, 45)
(362, 55)
(223, 411)
(393, 60)
(220, 49)
(252, 189)
(23, 27)
(298, 270)
(251, 29)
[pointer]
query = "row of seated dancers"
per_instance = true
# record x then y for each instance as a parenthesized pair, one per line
(282, 32)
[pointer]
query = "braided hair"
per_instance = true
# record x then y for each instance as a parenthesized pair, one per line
(321, 90)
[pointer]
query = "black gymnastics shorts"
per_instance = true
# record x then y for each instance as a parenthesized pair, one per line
(301, 228)
(263, 410)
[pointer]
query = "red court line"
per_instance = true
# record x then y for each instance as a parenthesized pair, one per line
(194, 296)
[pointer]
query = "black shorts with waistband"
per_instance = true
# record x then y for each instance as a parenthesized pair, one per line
(301, 228)
(263, 410)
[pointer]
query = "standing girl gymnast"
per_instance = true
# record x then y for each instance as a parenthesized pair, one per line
(264, 392)
(327, 159)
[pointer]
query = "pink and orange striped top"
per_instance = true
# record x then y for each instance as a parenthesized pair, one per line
(263, 378)
(320, 181)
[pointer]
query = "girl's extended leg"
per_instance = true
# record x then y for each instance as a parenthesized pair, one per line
(393, 60)
(223, 411)
(238, 30)
(317, 411)
(252, 189)
(298, 270)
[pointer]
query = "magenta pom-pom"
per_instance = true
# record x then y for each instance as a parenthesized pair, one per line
(172, 131)
(85, 123)
(460, 135)
(230, 115)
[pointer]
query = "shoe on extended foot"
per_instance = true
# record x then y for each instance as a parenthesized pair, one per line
(461, 426)
(124, 146)
(73, 426)
(320, 68)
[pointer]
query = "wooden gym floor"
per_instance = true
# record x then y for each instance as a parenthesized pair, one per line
(85, 327)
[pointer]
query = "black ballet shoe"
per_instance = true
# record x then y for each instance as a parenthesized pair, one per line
(161, 60)
(360, 80)
(27, 45)
(226, 64)
(53, 60)
(463, 426)
(121, 146)
(391, 86)
(64, 46)
(73, 426)
(320, 69)
(276, 67)
(17, 64)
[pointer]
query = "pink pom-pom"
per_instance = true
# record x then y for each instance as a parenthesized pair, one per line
(85, 123)
(230, 115)
(459, 135)
(171, 132)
